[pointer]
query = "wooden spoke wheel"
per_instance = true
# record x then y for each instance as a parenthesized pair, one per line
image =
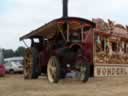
(53, 69)
(84, 71)
(28, 64)
(31, 68)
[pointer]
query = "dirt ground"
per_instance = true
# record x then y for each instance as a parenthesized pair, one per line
(15, 85)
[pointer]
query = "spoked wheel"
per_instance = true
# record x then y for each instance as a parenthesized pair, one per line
(53, 69)
(28, 64)
(31, 70)
(84, 71)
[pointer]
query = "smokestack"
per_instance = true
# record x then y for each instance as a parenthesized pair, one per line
(65, 8)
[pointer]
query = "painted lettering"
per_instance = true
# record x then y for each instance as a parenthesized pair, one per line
(110, 71)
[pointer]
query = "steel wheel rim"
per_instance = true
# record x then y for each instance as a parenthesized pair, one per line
(52, 69)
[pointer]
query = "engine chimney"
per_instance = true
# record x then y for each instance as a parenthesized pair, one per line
(65, 8)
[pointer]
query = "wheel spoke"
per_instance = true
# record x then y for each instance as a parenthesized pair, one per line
(28, 64)
(52, 70)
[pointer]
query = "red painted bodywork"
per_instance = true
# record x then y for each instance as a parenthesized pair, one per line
(88, 46)
(51, 30)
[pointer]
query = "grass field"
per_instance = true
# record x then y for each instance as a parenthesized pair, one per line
(15, 85)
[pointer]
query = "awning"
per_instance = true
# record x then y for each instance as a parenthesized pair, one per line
(49, 30)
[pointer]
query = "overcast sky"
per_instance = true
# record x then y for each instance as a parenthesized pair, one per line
(18, 17)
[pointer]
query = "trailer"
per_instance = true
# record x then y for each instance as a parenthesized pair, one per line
(73, 45)
(111, 49)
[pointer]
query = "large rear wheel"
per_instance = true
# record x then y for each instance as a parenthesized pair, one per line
(53, 69)
(28, 64)
(31, 69)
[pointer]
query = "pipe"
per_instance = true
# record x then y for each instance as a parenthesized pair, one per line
(65, 8)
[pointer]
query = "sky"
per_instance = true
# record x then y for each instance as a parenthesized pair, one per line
(19, 17)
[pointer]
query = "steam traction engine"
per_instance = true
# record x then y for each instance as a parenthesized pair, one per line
(60, 47)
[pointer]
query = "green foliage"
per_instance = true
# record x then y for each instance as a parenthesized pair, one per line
(10, 53)
(20, 51)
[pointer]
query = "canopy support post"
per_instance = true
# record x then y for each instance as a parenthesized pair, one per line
(68, 28)
(82, 33)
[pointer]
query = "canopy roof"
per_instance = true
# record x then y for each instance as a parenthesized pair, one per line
(48, 30)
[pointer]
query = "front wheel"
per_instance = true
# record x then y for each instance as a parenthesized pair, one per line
(53, 69)
(11, 71)
(84, 71)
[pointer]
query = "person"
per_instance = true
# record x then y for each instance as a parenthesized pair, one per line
(107, 44)
(98, 43)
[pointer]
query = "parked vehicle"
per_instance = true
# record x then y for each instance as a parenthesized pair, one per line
(17, 59)
(2, 70)
(13, 67)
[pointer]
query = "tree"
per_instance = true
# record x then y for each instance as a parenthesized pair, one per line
(8, 53)
(20, 51)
